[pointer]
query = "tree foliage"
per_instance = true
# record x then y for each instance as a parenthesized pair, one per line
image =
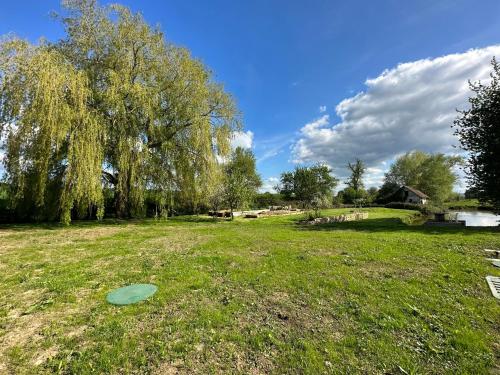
(355, 192)
(53, 139)
(267, 199)
(113, 104)
(372, 194)
(308, 185)
(433, 174)
(357, 169)
(407, 169)
(479, 132)
(350, 195)
(240, 181)
(386, 191)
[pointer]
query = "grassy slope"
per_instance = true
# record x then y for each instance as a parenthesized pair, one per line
(248, 296)
(465, 204)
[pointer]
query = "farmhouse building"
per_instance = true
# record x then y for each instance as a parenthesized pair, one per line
(411, 195)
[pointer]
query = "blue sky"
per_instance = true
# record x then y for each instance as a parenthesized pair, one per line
(283, 60)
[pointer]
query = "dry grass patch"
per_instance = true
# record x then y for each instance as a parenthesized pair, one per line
(15, 239)
(173, 242)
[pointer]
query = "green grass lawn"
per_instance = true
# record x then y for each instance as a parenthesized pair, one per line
(466, 204)
(250, 296)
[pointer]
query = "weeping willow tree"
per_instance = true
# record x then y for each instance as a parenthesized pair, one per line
(113, 104)
(54, 140)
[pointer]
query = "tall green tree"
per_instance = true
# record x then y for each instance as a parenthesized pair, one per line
(111, 104)
(309, 185)
(479, 132)
(357, 169)
(407, 169)
(355, 192)
(264, 200)
(433, 174)
(241, 180)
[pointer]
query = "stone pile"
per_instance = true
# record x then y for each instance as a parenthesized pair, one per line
(280, 212)
(337, 219)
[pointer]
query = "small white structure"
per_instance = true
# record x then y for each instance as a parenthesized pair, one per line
(412, 195)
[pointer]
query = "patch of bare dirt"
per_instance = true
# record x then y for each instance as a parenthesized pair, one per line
(170, 368)
(25, 328)
(380, 270)
(78, 331)
(23, 302)
(42, 357)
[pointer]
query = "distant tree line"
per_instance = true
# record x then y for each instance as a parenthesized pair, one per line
(434, 174)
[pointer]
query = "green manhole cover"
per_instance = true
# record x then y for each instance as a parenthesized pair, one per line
(131, 294)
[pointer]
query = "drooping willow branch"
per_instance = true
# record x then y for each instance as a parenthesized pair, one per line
(113, 105)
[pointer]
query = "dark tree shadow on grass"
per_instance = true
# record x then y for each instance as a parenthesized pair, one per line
(197, 219)
(75, 224)
(21, 227)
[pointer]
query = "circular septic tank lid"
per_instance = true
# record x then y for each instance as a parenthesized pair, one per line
(131, 294)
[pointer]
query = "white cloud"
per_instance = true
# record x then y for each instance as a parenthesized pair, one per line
(374, 177)
(316, 124)
(268, 185)
(269, 147)
(269, 154)
(322, 108)
(411, 106)
(242, 139)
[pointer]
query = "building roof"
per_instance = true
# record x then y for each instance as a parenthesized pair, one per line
(418, 193)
